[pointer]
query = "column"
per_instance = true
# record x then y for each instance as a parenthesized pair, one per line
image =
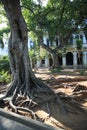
(75, 58)
(84, 39)
(64, 61)
(84, 59)
(74, 39)
(46, 61)
(38, 63)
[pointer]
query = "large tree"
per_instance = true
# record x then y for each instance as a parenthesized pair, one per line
(24, 83)
(59, 18)
(51, 19)
(42, 19)
(25, 88)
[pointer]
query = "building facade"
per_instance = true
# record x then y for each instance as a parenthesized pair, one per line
(71, 57)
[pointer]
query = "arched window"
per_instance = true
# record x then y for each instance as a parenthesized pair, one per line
(56, 41)
(69, 58)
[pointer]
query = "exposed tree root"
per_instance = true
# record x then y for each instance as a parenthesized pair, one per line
(62, 106)
(22, 99)
(48, 109)
(16, 109)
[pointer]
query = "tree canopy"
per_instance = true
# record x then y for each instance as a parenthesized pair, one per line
(59, 18)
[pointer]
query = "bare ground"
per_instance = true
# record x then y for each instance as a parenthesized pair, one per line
(72, 89)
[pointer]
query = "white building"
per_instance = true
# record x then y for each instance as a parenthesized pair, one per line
(67, 59)
(70, 57)
(4, 51)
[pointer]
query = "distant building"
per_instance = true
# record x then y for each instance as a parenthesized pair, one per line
(4, 51)
(69, 58)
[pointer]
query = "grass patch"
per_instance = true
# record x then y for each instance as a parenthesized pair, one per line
(82, 72)
(56, 70)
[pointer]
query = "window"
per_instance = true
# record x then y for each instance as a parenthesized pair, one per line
(47, 42)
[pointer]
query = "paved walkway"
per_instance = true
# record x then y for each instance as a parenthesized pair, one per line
(6, 124)
(11, 121)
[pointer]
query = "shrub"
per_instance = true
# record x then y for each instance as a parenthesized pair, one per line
(56, 70)
(4, 64)
(82, 72)
(5, 77)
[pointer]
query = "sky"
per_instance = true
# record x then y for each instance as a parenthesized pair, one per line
(43, 1)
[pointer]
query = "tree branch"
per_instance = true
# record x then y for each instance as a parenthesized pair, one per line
(63, 9)
(46, 47)
(28, 8)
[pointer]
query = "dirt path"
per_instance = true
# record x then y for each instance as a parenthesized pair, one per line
(72, 89)
(72, 86)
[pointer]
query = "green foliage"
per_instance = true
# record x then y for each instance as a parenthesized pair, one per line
(82, 72)
(42, 53)
(2, 32)
(1, 42)
(79, 44)
(57, 18)
(4, 64)
(5, 69)
(31, 53)
(34, 51)
(4, 26)
(56, 70)
(32, 56)
(5, 77)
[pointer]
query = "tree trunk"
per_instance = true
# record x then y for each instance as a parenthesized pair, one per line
(55, 60)
(25, 87)
(53, 53)
(24, 81)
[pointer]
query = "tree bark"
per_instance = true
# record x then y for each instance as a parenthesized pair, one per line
(25, 86)
(54, 54)
(55, 60)
(24, 81)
